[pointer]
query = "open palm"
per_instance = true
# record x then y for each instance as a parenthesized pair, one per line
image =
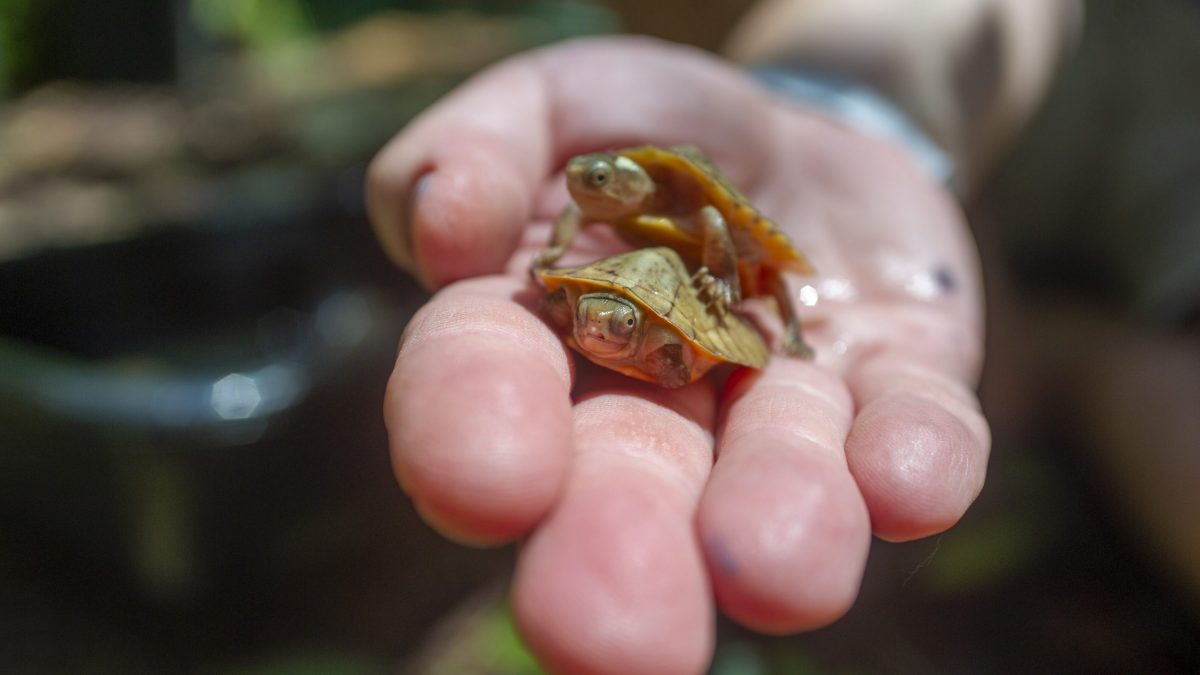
(643, 510)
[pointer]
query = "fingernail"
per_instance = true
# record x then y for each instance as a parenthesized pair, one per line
(407, 221)
(420, 186)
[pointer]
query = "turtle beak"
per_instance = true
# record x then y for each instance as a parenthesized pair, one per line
(575, 170)
(594, 337)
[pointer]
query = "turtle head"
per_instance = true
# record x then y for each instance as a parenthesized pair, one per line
(606, 326)
(606, 185)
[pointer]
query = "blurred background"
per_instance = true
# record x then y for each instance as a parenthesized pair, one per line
(196, 328)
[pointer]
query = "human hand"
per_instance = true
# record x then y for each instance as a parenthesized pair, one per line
(644, 510)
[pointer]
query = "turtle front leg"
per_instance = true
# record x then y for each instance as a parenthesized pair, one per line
(717, 278)
(566, 226)
(557, 309)
(793, 340)
(669, 366)
(665, 356)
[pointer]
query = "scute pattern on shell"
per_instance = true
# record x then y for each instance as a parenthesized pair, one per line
(658, 281)
(739, 212)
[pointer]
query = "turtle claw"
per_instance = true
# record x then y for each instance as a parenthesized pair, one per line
(715, 291)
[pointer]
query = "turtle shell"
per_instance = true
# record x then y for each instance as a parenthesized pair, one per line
(686, 181)
(659, 283)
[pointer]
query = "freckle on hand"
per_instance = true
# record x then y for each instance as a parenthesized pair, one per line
(721, 556)
(945, 279)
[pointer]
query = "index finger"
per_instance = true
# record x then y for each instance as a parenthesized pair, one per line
(451, 194)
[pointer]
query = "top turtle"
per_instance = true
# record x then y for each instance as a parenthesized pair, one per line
(676, 197)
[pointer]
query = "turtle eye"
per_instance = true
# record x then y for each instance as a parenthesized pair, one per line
(599, 176)
(623, 322)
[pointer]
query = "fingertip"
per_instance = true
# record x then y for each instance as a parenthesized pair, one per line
(919, 465)
(479, 415)
(472, 208)
(784, 528)
(786, 537)
(613, 582)
(483, 461)
(392, 186)
(449, 200)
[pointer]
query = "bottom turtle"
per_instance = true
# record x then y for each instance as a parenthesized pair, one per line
(640, 314)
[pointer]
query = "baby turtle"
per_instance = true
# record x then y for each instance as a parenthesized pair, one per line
(675, 197)
(639, 313)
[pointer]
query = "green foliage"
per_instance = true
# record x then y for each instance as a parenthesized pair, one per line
(983, 555)
(503, 645)
(14, 40)
(261, 24)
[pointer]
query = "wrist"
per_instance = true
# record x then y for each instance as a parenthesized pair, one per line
(970, 72)
(860, 107)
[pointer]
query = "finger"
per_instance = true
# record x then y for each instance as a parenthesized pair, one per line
(449, 196)
(783, 526)
(919, 445)
(483, 153)
(478, 412)
(908, 335)
(613, 582)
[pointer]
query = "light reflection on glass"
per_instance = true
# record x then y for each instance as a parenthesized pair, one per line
(235, 397)
(343, 319)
